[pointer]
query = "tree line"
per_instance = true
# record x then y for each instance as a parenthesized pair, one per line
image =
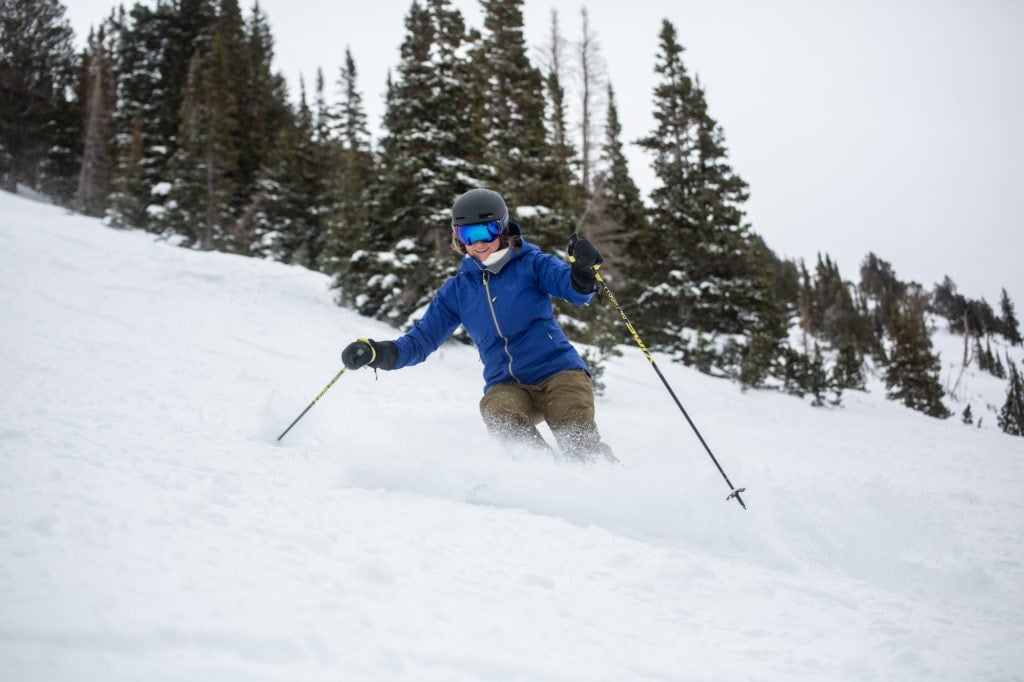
(172, 120)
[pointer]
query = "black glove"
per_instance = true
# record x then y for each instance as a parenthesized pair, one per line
(583, 253)
(585, 258)
(376, 354)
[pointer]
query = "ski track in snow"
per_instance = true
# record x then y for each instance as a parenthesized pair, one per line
(151, 527)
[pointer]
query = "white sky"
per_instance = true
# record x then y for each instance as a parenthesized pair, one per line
(890, 127)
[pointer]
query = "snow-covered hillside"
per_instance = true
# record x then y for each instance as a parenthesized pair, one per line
(151, 528)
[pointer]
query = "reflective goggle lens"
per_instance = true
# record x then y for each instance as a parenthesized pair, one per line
(478, 232)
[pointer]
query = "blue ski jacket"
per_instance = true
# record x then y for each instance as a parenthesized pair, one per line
(508, 314)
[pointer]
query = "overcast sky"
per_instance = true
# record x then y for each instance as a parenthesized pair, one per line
(891, 126)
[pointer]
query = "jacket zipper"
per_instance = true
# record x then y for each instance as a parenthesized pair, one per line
(497, 327)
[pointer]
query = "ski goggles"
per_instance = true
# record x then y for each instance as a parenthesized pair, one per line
(478, 232)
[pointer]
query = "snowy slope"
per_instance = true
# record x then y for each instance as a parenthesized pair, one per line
(151, 527)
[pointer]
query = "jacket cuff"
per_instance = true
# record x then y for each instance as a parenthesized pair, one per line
(387, 355)
(583, 279)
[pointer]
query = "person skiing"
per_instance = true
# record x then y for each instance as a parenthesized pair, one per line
(502, 295)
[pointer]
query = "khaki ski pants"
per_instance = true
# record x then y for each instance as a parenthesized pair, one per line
(564, 400)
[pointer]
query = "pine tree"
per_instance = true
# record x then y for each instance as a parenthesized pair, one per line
(155, 47)
(256, 92)
(1011, 416)
(834, 315)
(882, 291)
(355, 180)
(967, 417)
(59, 169)
(432, 151)
(699, 272)
(947, 303)
(804, 372)
(281, 213)
(126, 205)
(1010, 326)
(622, 217)
(141, 148)
(763, 353)
(199, 206)
(912, 376)
(848, 372)
(981, 318)
(38, 67)
(527, 170)
(998, 370)
(842, 321)
(514, 117)
(298, 193)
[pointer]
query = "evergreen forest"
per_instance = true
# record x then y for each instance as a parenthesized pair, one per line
(172, 120)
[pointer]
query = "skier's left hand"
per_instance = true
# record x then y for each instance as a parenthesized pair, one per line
(585, 258)
(582, 253)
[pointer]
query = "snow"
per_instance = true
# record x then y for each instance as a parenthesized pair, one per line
(151, 527)
(161, 189)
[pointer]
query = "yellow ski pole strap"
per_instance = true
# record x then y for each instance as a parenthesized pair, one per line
(373, 351)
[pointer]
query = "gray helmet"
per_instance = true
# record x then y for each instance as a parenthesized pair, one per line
(479, 206)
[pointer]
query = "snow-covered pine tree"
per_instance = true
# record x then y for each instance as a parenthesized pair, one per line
(354, 183)
(262, 109)
(431, 152)
(155, 47)
(527, 170)
(280, 216)
(128, 200)
(297, 192)
(1011, 415)
(698, 278)
(135, 37)
(232, 109)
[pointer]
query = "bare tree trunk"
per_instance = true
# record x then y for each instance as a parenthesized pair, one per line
(591, 77)
(94, 177)
(555, 50)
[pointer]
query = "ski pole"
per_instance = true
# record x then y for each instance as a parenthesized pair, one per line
(308, 407)
(650, 358)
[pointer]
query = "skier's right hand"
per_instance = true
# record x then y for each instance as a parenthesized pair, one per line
(376, 354)
(357, 354)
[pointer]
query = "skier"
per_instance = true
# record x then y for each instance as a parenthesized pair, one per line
(502, 295)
